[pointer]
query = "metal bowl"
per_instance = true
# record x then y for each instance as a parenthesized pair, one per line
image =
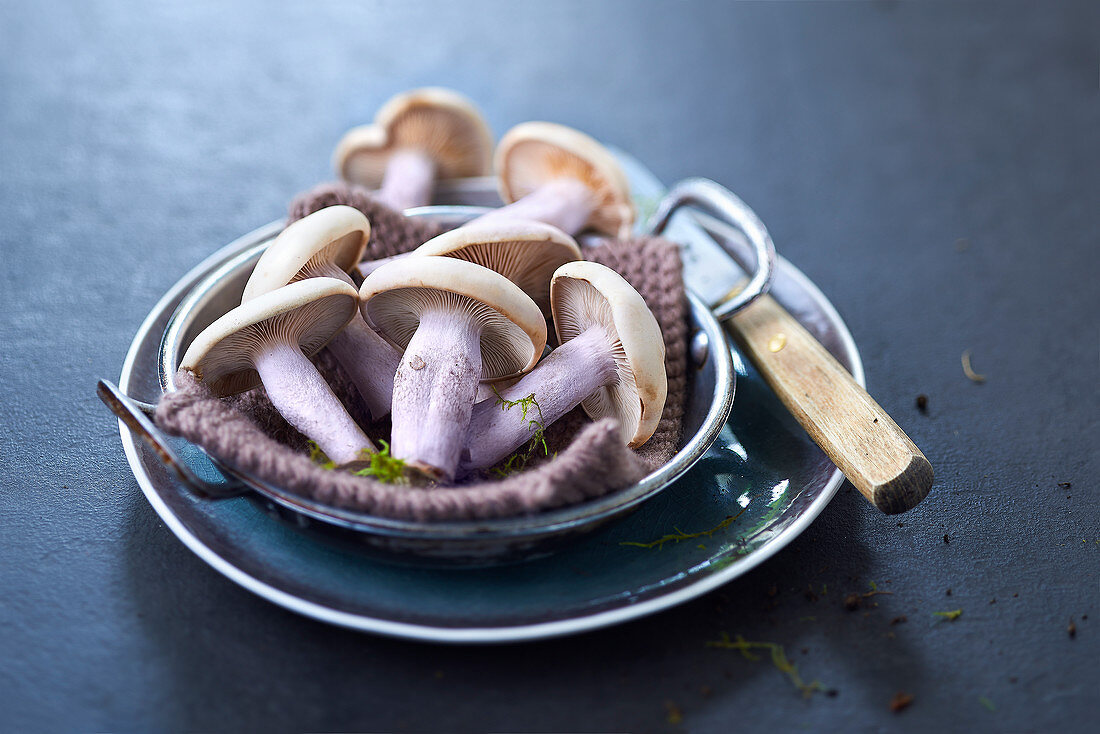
(477, 542)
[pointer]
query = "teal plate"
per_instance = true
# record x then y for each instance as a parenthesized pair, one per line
(756, 489)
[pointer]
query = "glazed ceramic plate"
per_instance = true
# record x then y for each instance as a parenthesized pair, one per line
(758, 487)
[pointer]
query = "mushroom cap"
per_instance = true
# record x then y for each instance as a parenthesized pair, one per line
(307, 313)
(513, 328)
(586, 294)
(438, 122)
(331, 238)
(533, 153)
(525, 252)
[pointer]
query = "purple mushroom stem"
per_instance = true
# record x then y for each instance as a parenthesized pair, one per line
(408, 181)
(306, 401)
(434, 391)
(561, 381)
(370, 362)
(564, 203)
(367, 358)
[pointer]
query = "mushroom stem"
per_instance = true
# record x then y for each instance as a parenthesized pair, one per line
(306, 401)
(434, 391)
(565, 203)
(370, 362)
(562, 380)
(408, 181)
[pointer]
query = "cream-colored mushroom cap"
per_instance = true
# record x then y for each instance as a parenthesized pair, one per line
(513, 330)
(439, 122)
(585, 294)
(326, 243)
(307, 313)
(523, 251)
(533, 153)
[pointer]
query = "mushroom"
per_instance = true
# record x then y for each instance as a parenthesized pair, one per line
(366, 267)
(268, 340)
(558, 175)
(327, 244)
(525, 252)
(457, 323)
(417, 137)
(611, 361)
(541, 249)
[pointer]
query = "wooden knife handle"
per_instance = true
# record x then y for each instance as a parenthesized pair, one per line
(854, 431)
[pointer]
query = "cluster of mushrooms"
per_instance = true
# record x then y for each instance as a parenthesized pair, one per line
(448, 338)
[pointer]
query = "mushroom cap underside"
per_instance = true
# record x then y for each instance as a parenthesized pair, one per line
(586, 294)
(513, 330)
(441, 123)
(533, 153)
(307, 313)
(524, 251)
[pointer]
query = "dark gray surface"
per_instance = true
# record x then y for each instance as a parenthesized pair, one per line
(934, 168)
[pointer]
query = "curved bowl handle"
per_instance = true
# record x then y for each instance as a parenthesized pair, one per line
(136, 417)
(722, 203)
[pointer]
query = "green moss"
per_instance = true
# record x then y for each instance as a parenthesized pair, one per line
(952, 615)
(778, 657)
(987, 703)
(675, 715)
(519, 460)
(679, 535)
(523, 403)
(383, 467)
(317, 456)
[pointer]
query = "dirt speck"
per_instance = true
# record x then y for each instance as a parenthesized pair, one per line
(900, 702)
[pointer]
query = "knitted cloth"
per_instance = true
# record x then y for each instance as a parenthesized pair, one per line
(586, 460)
(391, 232)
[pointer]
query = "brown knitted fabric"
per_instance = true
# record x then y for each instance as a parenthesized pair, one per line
(391, 232)
(248, 434)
